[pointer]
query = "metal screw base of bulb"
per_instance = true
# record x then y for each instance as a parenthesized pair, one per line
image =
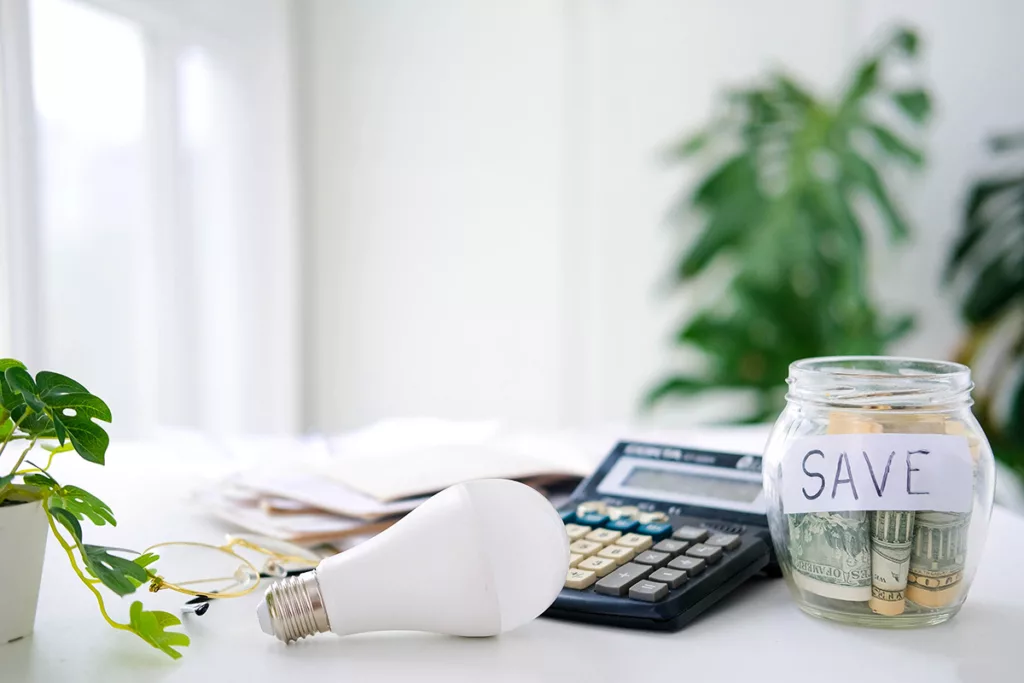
(296, 608)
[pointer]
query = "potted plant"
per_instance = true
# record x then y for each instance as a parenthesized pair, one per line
(790, 174)
(57, 414)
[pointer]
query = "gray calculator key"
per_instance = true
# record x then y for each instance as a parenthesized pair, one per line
(691, 565)
(690, 533)
(671, 547)
(673, 577)
(726, 541)
(652, 558)
(709, 553)
(648, 591)
(622, 578)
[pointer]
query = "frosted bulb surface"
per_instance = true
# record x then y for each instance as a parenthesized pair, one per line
(476, 559)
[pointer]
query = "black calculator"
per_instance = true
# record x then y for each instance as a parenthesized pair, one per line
(658, 534)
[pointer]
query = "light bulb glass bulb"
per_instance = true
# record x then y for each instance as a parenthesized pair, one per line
(476, 559)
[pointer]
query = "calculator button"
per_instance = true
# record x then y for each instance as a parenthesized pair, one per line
(724, 541)
(652, 558)
(601, 566)
(569, 517)
(691, 534)
(591, 507)
(671, 547)
(691, 565)
(574, 559)
(603, 536)
(576, 532)
(648, 591)
(592, 520)
(636, 542)
(579, 579)
(623, 524)
(622, 578)
(619, 554)
(709, 553)
(656, 530)
(673, 577)
(652, 517)
(587, 548)
(624, 512)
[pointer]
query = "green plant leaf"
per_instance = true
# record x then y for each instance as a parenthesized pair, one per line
(894, 146)
(113, 571)
(82, 504)
(6, 479)
(687, 147)
(41, 480)
(68, 521)
(8, 397)
(21, 382)
(6, 426)
(88, 438)
(864, 81)
(84, 405)
(152, 626)
(906, 41)
(864, 175)
(52, 384)
(737, 172)
(32, 423)
(996, 287)
(144, 561)
(915, 103)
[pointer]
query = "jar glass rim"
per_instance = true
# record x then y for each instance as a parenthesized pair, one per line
(879, 382)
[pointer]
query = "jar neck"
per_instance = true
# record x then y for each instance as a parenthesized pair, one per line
(880, 383)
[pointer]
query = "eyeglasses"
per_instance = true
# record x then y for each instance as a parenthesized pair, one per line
(207, 571)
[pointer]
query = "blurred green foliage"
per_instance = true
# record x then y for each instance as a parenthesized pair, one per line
(782, 210)
(988, 259)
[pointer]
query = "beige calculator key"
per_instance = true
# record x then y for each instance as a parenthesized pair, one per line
(579, 578)
(603, 536)
(630, 511)
(620, 554)
(576, 531)
(599, 565)
(651, 517)
(574, 559)
(637, 542)
(591, 507)
(584, 547)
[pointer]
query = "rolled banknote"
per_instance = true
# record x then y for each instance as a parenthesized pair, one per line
(939, 542)
(937, 558)
(891, 536)
(829, 553)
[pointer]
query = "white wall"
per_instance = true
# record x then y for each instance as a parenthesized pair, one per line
(485, 202)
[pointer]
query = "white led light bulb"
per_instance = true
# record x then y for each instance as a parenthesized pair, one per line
(476, 559)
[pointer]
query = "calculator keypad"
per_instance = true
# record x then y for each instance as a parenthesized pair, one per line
(623, 552)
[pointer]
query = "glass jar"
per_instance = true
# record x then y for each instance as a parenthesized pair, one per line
(879, 484)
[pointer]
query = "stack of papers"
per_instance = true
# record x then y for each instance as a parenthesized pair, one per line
(314, 490)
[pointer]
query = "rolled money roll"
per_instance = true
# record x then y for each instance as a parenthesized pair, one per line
(891, 536)
(829, 553)
(937, 558)
(939, 542)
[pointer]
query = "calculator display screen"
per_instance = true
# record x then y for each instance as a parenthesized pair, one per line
(689, 484)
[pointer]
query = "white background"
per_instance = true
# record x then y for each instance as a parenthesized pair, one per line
(485, 202)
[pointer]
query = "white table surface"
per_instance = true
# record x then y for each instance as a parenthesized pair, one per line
(757, 634)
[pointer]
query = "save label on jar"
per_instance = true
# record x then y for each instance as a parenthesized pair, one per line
(844, 472)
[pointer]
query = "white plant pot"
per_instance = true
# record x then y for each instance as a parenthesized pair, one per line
(23, 530)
